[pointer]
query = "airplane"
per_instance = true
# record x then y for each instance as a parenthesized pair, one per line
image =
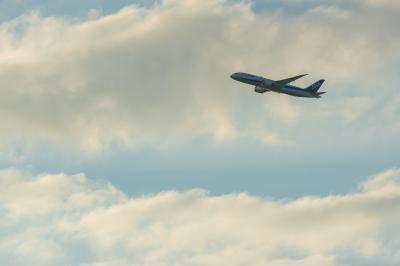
(263, 85)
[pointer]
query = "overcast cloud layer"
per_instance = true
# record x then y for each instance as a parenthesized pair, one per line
(69, 220)
(160, 75)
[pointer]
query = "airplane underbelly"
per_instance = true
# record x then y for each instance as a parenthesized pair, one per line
(298, 93)
(274, 88)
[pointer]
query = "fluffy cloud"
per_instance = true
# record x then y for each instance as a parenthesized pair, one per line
(70, 220)
(160, 75)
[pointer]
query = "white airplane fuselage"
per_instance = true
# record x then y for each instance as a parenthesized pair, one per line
(263, 85)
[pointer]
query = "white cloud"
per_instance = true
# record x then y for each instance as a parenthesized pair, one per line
(388, 179)
(69, 220)
(330, 11)
(384, 3)
(160, 75)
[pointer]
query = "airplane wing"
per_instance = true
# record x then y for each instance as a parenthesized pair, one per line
(289, 80)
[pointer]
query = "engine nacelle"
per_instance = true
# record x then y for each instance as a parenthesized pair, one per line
(260, 89)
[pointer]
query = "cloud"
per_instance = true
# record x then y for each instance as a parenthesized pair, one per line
(330, 11)
(271, 138)
(384, 3)
(71, 220)
(159, 76)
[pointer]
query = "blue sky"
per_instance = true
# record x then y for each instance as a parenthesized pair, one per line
(11, 9)
(247, 167)
(121, 126)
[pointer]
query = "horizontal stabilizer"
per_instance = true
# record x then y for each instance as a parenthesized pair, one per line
(289, 80)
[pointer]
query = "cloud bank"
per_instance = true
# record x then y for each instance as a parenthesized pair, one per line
(70, 220)
(160, 75)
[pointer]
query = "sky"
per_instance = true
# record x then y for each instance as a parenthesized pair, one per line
(123, 135)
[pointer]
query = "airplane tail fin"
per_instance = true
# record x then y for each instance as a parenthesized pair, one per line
(315, 87)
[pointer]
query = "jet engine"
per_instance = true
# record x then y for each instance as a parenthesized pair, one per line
(260, 89)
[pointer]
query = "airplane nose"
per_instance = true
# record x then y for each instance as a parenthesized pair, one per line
(233, 76)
